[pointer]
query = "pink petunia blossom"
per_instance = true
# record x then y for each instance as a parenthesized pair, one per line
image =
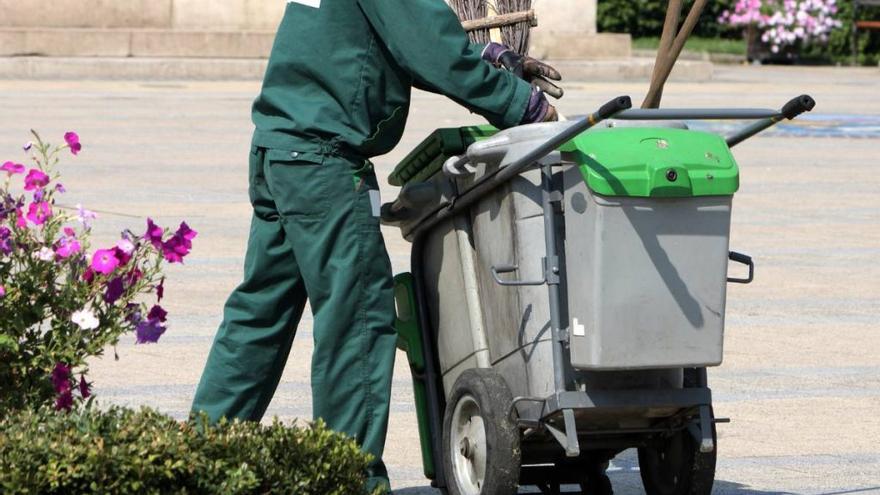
(12, 168)
(154, 234)
(2, 291)
(125, 246)
(72, 140)
(104, 261)
(67, 247)
(179, 245)
(38, 213)
(35, 179)
(20, 220)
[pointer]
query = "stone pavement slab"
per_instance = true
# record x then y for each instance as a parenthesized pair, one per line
(801, 377)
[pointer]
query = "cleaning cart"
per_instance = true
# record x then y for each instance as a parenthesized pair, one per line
(567, 294)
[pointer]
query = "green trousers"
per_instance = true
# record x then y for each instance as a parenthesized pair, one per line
(314, 236)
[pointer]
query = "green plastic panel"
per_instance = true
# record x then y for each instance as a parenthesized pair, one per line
(409, 340)
(427, 158)
(656, 162)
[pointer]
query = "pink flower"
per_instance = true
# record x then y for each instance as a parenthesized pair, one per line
(2, 291)
(12, 168)
(38, 213)
(67, 246)
(122, 256)
(35, 179)
(104, 261)
(125, 246)
(69, 232)
(179, 245)
(72, 140)
(20, 221)
(154, 234)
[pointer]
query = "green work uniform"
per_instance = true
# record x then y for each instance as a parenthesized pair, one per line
(336, 92)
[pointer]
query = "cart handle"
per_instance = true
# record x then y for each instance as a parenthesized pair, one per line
(794, 107)
(501, 176)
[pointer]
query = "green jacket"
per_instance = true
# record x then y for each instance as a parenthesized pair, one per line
(340, 74)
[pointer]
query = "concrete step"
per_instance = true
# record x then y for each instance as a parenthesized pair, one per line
(209, 69)
(65, 42)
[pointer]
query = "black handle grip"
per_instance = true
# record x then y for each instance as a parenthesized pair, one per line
(797, 106)
(740, 258)
(614, 106)
(745, 260)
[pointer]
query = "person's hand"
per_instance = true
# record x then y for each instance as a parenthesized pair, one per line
(528, 68)
(539, 109)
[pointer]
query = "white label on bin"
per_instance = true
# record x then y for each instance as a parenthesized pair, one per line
(308, 3)
(375, 202)
(579, 330)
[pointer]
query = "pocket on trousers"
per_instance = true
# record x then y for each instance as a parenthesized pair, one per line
(298, 182)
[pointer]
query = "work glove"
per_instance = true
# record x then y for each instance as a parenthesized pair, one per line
(524, 67)
(539, 109)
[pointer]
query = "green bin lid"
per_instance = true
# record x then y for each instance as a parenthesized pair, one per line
(656, 162)
(427, 158)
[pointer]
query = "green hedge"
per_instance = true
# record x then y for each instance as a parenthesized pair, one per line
(123, 451)
(644, 19)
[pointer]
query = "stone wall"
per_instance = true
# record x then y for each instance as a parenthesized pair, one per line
(554, 15)
(235, 28)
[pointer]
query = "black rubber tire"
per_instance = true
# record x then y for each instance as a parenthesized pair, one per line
(503, 454)
(675, 466)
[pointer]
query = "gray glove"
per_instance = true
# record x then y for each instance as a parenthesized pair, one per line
(524, 67)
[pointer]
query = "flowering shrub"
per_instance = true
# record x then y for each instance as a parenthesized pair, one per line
(785, 22)
(61, 303)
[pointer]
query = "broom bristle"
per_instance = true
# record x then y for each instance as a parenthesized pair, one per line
(516, 36)
(469, 10)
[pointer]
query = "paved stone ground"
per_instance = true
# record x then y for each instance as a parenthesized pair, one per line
(801, 377)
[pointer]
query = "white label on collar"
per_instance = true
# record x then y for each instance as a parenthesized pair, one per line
(375, 202)
(308, 3)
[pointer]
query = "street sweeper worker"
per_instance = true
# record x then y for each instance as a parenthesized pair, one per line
(337, 92)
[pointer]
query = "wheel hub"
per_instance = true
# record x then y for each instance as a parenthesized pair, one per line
(468, 437)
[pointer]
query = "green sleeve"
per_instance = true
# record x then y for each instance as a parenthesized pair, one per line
(427, 40)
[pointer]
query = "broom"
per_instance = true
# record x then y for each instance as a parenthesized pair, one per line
(671, 43)
(514, 19)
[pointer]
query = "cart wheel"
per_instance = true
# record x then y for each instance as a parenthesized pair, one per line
(675, 466)
(481, 452)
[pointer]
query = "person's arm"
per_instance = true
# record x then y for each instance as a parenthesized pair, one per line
(427, 40)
